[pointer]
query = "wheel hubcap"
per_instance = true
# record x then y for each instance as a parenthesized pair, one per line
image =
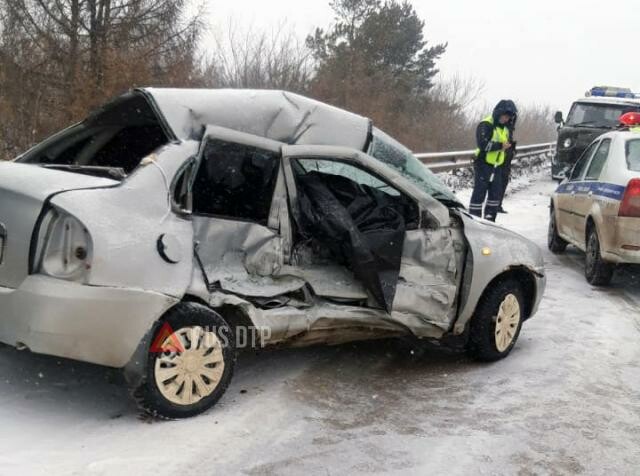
(185, 378)
(507, 322)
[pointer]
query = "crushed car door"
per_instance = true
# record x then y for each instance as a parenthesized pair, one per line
(348, 211)
(240, 215)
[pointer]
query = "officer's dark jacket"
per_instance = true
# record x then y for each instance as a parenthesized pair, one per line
(484, 131)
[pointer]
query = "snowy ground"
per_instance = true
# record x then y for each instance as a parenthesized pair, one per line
(567, 401)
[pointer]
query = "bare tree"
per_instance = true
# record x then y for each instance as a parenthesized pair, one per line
(244, 58)
(60, 58)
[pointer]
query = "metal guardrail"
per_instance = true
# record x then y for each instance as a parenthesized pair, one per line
(447, 161)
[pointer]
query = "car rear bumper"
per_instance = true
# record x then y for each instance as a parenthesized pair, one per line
(101, 325)
(625, 240)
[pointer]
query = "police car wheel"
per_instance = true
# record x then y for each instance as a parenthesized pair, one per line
(190, 362)
(496, 324)
(555, 243)
(597, 271)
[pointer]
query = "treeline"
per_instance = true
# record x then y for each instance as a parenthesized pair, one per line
(60, 59)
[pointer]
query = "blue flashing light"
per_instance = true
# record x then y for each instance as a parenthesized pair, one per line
(611, 92)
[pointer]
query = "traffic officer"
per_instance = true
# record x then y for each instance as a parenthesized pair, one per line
(510, 154)
(493, 139)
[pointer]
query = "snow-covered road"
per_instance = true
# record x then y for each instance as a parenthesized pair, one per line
(567, 400)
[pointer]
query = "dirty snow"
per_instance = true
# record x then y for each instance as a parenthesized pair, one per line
(565, 402)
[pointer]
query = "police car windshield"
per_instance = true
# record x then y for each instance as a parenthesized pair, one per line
(598, 115)
(389, 151)
(633, 155)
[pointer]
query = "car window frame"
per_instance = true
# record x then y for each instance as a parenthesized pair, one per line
(626, 153)
(587, 159)
(362, 167)
(192, 166)
(607, 140)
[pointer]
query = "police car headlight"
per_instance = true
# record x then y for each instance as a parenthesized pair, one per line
(567, 143)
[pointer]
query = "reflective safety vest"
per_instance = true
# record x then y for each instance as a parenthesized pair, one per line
(634, 129)
(500, 135)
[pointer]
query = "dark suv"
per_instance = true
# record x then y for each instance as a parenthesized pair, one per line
(588, 118)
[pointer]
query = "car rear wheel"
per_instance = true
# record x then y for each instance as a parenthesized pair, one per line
(555, 243)
(597, 271)
(496, 324)
(189, 365)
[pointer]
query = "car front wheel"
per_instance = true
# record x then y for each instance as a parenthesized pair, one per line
(189, 364)
(496, 324)
(597, 271)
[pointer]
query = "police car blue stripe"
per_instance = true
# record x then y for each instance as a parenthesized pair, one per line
(602, 189)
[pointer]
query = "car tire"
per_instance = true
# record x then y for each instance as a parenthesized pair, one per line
(496, 324)
(597, 271)
(189, 364)
(555, 242)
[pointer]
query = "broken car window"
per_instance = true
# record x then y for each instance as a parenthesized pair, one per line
(359, 219)
(117, 137)
(348, 171)
(235, 181)
(394, 154)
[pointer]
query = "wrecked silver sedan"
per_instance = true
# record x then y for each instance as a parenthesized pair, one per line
(154, 233)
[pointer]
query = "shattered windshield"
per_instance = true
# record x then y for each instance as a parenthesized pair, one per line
(389, 151)
(598, 115)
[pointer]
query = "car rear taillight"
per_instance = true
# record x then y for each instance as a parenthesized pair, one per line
(630, 206)
(63, 248)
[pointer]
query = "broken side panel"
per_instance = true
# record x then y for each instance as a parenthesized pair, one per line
(242, 258)
(240, 223)
(429, 275)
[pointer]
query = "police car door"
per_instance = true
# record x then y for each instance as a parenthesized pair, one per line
(566, 194)
(589, 190)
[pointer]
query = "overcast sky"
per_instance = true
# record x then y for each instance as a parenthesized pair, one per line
(533, 51)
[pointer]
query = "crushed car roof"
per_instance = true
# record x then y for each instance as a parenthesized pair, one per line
(276, 115)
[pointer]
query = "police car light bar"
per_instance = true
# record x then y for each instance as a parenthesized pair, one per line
(611, 92)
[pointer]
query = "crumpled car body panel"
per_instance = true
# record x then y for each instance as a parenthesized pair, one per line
(354, 280)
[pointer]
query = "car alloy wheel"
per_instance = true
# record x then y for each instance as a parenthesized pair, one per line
(186, 377)
(507, 322)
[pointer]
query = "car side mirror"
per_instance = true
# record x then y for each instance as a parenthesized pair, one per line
(558, 118)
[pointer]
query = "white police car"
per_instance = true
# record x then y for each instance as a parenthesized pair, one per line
(597, 207)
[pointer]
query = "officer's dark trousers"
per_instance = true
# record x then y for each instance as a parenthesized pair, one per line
(484, 185)
(506, 176)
